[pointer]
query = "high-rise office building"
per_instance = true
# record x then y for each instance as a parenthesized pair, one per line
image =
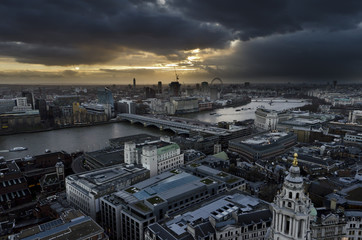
(159, 87)
(150, 92)
(105, 97)
(204, 86)
(29, 97)
(175, 88)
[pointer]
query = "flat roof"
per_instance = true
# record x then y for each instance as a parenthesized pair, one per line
(107, 157)
(301, 121)
(102, 178)
(264, 139)
(166, 185)
(157, 143)
(217, 209)
(80, 227)
(353, 213)
(138, 138)
(353, 192)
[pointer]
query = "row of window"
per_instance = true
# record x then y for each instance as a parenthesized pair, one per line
(260, 233)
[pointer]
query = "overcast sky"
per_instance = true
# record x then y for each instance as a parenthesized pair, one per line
(112, 41)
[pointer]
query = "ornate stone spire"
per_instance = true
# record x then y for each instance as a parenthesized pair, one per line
(291, 207)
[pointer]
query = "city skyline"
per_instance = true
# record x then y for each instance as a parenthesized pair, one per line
(111, 42)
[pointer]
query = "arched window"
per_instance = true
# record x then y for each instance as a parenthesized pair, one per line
(290, 195)
(297, 196)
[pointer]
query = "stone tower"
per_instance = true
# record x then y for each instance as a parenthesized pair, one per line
(291, 208)
(130, 153)
(149, 159)
(59, 168)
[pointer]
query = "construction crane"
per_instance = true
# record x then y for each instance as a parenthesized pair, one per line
(176, 74)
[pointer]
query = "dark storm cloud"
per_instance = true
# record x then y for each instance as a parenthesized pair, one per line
(257, 18)
(85, 32)
(303, 56)
(285, 39)
(246, 18)
(315, 39)
(56, 55)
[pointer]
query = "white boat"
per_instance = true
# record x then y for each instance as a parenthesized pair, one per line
(28, 158)
(16, 149)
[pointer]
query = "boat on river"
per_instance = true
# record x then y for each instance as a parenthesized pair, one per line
(18, 149)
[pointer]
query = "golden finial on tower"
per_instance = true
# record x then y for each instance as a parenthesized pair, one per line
(295, 161)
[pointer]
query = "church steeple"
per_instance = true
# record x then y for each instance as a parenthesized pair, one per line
(291, 207)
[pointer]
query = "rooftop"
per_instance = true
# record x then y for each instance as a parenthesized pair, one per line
(301, 122)
(222, 155)
(107, 157)
(218, 209)
(354, 193)
(164, 187)
(212, 174)
(100, 179)
(138, 138)
(73, 227)
(264, 139)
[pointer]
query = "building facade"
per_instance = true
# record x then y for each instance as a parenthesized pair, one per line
(329, 226)
(157, 156)
(353, 138)
(355, 117)
(353, 225)
(267, 119)
(84, 190)
(262, 146)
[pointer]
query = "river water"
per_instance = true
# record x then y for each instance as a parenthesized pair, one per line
(96, 137)
(69, 139)
(245, 112)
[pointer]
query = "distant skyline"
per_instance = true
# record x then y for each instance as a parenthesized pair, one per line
(113, 41)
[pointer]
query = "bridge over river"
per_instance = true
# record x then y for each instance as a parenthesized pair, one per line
(177, 125)
(183, 126)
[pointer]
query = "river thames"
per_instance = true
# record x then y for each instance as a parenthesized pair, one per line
(96, 137)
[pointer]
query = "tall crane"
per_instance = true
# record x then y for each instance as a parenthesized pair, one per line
(176, 74)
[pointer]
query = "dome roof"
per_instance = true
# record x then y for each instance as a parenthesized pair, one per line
(294, 175)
